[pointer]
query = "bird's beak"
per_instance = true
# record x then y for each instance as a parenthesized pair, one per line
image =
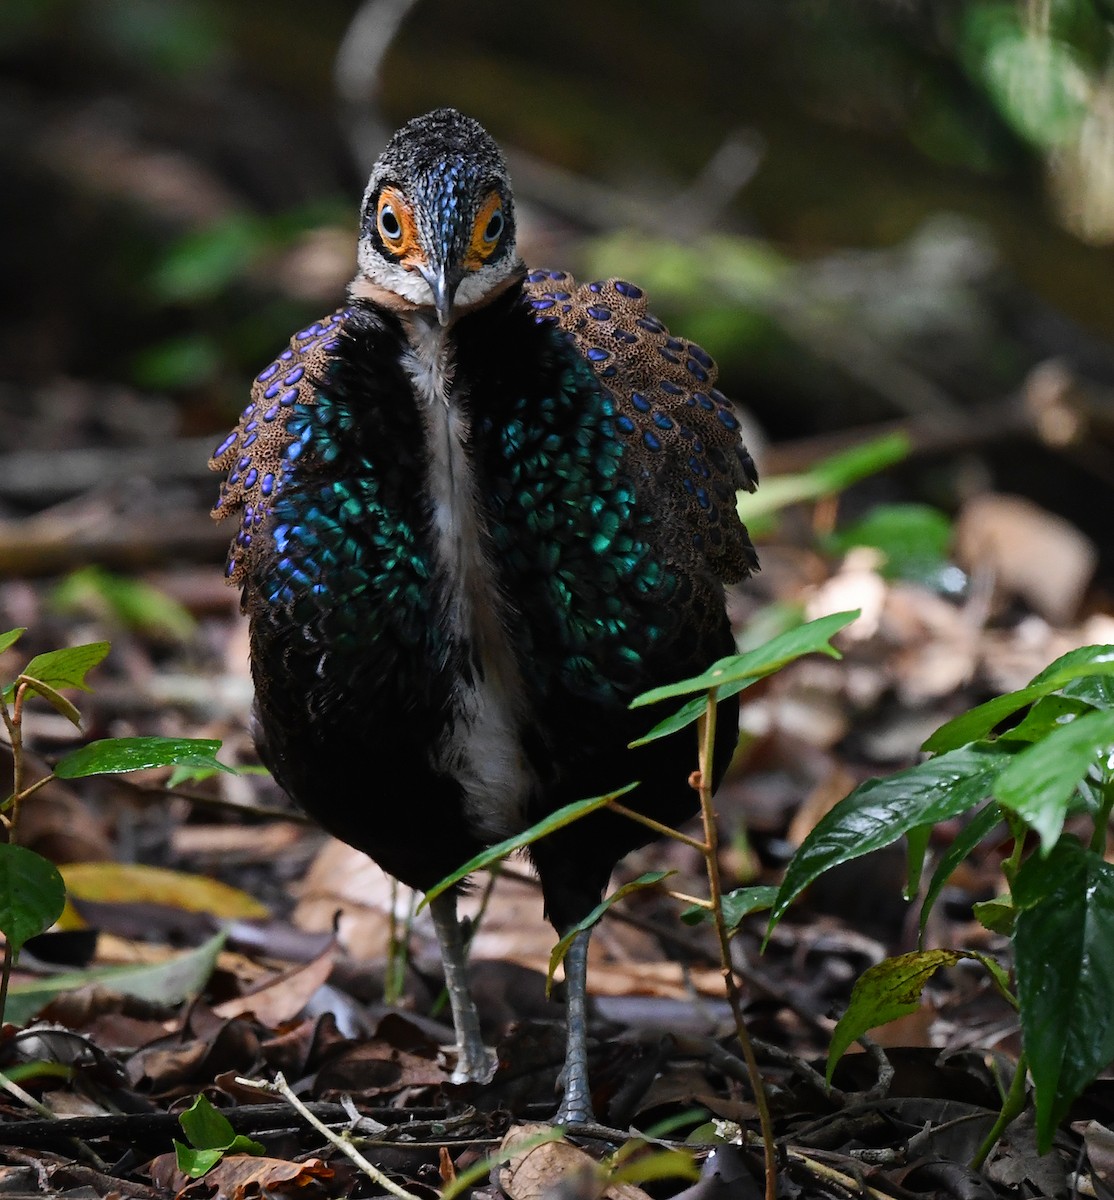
(443, 289)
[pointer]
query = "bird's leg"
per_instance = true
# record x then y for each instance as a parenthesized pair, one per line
(473, 1064)
(576, 1104)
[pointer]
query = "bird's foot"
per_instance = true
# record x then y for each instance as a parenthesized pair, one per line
(474, 1063)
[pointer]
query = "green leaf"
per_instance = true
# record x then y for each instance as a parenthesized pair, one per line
(881, 810)
(810, 638)
(111, 756)
(64, 668)
(493, 854)
(884, 992)
(1095, 690)
(170, 982)
(180, 362)
(997, 915)
(195, 1163)
(32, 894)
(1065, 974)
(1047, 714)
(913, 538)
(182, 774)
(11, 637)
(1038, 83)
(1040, 782)
(736, 906)
(826, 478)
(125, 600)
(648, 880)
(916, 847)
(964, 842)
(206, 261)
(53, 698)
(1083, 661)
(978, 722)
(209, 1129)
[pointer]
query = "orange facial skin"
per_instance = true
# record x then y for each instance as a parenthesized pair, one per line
(480, 247)
(402, 242)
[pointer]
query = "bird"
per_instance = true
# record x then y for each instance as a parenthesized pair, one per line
(480, 509)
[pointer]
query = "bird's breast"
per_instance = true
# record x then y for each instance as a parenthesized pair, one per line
(482, 746)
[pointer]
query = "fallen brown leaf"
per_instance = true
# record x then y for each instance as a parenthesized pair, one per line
(537, 1170)
(242, 1176)
(282, 997)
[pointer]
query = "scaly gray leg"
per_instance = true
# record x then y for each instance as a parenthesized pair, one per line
(473, 1064)
(576, 1104)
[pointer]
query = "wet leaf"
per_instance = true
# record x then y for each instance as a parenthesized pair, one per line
(1040, 781)
(1065, 974)
(736, 905)
(116, 755)
(978, 722)
(882, 810)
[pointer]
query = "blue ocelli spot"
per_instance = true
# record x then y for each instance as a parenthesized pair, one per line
(640, 402)
(628, 289)
(651, 440)
(726, 419)
(696, 370)
(227, 444)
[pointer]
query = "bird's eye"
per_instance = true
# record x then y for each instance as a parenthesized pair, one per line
(494, 226)
(389, 225)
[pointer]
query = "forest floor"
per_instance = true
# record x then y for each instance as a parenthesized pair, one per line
(284, 952)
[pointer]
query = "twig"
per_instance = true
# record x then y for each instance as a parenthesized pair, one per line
(342, 1143)
(707, 728)
(840, 1178)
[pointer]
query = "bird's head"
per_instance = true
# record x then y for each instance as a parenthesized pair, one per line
(437, 227)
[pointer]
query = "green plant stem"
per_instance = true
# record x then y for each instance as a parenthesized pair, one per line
(710, 851)
(13, 721)
(1102, 820)
(1018, 830)
(5, 978)
(1012, 1106)
(660, 829)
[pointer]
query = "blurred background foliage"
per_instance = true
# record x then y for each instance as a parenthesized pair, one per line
(868, 210)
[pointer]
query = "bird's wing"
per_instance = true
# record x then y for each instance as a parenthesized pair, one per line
(681, 432)
(254, 453)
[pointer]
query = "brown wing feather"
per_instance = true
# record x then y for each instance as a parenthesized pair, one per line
(682, 433)
(253, 453)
